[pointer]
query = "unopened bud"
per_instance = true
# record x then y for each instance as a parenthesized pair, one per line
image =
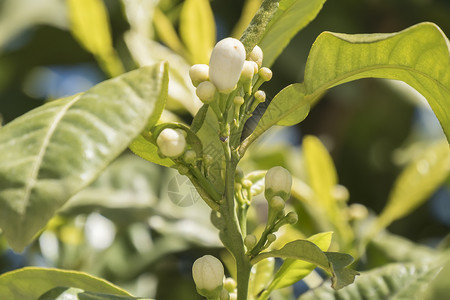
(247, 183)
(340, 193)
(292, 217)
(208, 159)
(248, 70)
(260, 96)
(206, 91)
(226, 63)
(238, 100)
(271, 238)
(277, 203)
(208, 273)
(265, 73)
(229, 284)
(171, 142)
(224, 295)
(250, 241)
(199, 73)
(190, 156)
(256, 55)
(357, 211)
(278, 182)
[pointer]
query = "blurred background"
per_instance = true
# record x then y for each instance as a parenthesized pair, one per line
(125, 227)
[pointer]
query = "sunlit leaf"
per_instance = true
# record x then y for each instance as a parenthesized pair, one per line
(419, 56)
(334, 263)
(416, 183)
(395, 281)
(198, 30)
(52, 152)
(71, 293)
(290, 18)
(293, 270)
(260, 275)
(167, 32)
(90, 25)
(248, 11)
(30, 283)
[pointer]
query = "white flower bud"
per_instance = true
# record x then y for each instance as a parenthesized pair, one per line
(171, 142)
(248, 70)
(265, 73)
(206, 91)
(278, 182)
(229, 284)
(225, 64)
(208, 273)
(260, 96)
(199, 73)
(256, 55)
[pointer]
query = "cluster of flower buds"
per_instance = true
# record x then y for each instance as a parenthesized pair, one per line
(231, 69)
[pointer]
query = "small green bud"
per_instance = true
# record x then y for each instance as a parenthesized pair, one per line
(250, 241)
(238, 100)
(190, 156)
(224, 295)
(208, 274)
(340, 193)
(292, 217)
(265, 73)
(247, 183)
(229, 284)
(171, 142)
(256, 55)
(226, 63)
(199, 73)
(206, 91)
(238, 174)
(208, 159)
(277, 203)
(271, 238)
(278, 182)
(260, 96)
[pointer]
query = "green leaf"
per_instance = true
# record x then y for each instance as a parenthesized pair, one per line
(291, 17)
(30, 283)
(395, 281)
(416, 183)
(90, 25)
(332, 262)
(261, 275)
(52, 152)
(198, 30)
(60, 293)
(419, 56)
(293, 270)
(287, 108)
(322, 177)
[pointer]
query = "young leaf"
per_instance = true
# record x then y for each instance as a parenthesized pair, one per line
(395, 281)
(79, 294)
(198, 30)
(332, 262)
(90, 25)
(291, 17)
(419, 56)
(52, 152)
(32, 282)
(322, 178)
(293, 270)
(415, 184)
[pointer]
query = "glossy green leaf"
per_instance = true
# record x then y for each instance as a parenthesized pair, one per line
(90, 25)
(322, 178)
(293, 270)
(198, 30)
(60, 293)
(260, 275)
(287, 108)
(52, 152)
(416, 183)
(395, 281)
(30, 283)
(290, 18)
(334, 263)
(419, 56)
